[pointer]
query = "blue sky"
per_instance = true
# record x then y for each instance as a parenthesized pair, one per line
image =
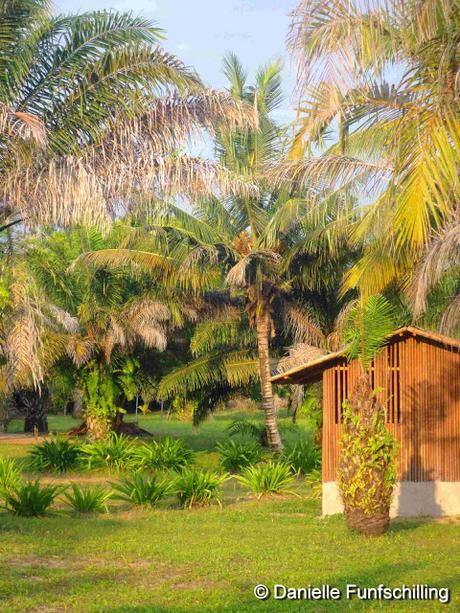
(200, 32)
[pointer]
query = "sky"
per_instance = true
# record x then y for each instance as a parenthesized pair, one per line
(200, 32)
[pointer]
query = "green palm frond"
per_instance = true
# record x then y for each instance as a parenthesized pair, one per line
(218, 333)
(237, 369)
(367, 328)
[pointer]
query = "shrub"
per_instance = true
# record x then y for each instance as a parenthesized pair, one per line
(88, 499)
(143, 491)
(303, 457)
(169, 453)
(58, 455)
(235, 455)
(269, 478)
(31, 498)
(199, 487)
(115, 453)
(10, 475)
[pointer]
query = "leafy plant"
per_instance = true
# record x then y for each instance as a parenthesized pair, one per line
(10, 475)
(31, 498)
(235, 455)
(115, 453)
(246, 428)
(268, 478)
(169, 453)
(199, 487)
(58, 455)
(143, 491)
(302, 456)
(88, 499)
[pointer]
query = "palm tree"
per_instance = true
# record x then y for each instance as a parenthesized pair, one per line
(90, 110)
(236, 241)
(92, 319)
(395, 144)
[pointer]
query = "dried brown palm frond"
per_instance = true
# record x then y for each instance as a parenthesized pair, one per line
(300, 322)
(64, 319)
(443, 252)
(146, 310)
(20, 125)
(23, 343)
(133, 158)
(298, 354)
(118, 258)
(170, 120)
(328, 173)
(238, 274)
(334, 39)
(450, 321)
(80, 350)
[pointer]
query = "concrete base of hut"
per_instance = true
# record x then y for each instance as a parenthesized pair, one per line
(411, 499)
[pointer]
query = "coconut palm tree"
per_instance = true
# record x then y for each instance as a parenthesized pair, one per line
(91, 108)
(381, 80)
(244, 247)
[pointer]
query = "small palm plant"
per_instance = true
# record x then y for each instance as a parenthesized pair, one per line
(367, 473)
(31, 499)
(86, 499)
(235, 455)
(58, 455)
(303, 457)
(115, 453)
(199, 487)
(269, 478)
(170, 453)
(143, 491)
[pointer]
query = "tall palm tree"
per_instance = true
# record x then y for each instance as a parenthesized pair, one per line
(91, 108)
(245, 246)
(381, 80)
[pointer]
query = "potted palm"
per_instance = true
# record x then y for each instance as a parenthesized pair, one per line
(367, 473)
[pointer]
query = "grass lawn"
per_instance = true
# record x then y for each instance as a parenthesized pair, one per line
(172, 560)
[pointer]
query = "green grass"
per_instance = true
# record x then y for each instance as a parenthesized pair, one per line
(174, 560)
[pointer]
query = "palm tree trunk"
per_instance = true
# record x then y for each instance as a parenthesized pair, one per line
(33, 402)
(271, 424)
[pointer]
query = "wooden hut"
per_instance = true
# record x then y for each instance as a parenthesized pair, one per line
(418, 377)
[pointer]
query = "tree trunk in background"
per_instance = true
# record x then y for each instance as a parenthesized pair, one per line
(273, 435)
(33, 402)
(77, 412)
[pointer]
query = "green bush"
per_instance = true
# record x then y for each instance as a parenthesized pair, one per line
(88, 499)
(170, 453)
(302, 456)
(31, 499)
(116, 453)
(199, 487)
(58, 455)
(268, 478)
(10, 475)
(235, 455)
(143, 491)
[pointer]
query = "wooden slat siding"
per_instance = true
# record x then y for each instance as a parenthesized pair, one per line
(429, 430)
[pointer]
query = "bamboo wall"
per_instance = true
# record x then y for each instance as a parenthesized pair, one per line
(422, 412)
